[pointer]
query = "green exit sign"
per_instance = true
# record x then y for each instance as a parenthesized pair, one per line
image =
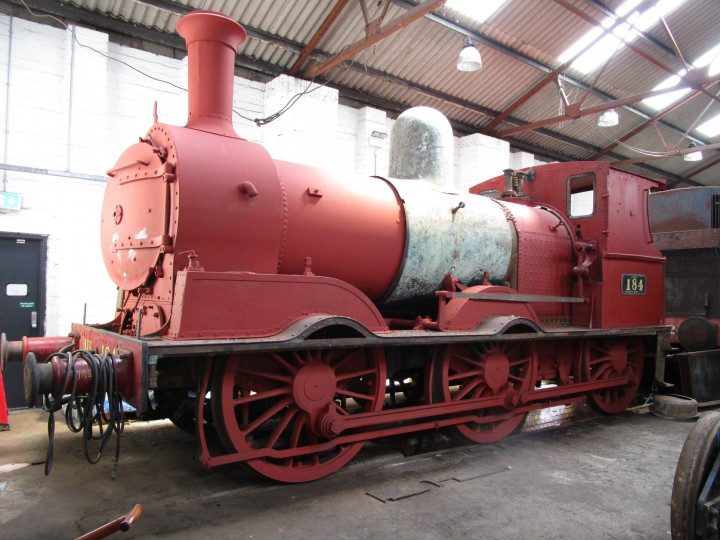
(10, 201)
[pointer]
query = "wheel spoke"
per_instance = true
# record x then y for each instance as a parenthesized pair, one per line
(600, 359)
(265, 375)
(356, 396)
(338, 363)
(466, 360)
(601, 371)
(266, 394)
(341, 411)
(600, 366)
(467, 388)
(280, 427)
(283, 363)
(519, 362)
(510, 350)
(296, 432)
(267, 415)
(466, 375)
(356, 374)
(298, 359)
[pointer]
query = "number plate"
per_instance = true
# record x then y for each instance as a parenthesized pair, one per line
(633, 284)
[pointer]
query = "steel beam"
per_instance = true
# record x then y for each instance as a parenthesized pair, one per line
(695, 172)
(324, 27)
(644, 125)
(685, 79)
(521, 57)
(574, 111)
(679, 152)
(600, 5)
(393, 26)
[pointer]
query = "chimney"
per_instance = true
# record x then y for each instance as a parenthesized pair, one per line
(212, 40)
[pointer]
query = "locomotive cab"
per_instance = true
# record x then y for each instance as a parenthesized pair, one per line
(618, 270)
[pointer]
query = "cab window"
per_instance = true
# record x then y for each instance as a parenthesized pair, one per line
(581, 195)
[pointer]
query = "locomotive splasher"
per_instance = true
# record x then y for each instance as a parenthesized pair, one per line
(322, 312)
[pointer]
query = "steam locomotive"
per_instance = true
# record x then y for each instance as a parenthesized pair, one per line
(298, 315)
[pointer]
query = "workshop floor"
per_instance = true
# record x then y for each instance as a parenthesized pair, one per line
(608, 477)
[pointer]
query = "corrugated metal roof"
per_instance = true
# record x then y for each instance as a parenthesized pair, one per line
(519, 44)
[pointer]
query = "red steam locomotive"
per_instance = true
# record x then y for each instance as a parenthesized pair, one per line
(299, 315)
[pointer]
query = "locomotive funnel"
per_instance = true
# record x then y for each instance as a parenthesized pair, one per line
(212, 40)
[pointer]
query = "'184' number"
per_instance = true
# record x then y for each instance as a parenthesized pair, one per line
(633, 284)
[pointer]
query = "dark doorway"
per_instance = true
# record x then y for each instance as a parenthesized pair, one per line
(22, 300)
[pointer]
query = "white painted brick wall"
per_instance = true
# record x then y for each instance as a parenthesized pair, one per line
(88, 93)
(521, 160)
(372, 152)
(68, 108)
(248, 101)
(306, 132)
(348, 140)
(481, 157)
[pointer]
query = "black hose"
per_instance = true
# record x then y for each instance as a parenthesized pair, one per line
(89, 407)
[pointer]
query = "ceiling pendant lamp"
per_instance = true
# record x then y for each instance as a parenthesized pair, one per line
(693, 156)
(469, 58)
(608, 118)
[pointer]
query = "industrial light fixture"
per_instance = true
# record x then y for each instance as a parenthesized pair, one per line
(608, 118)
(693, 156)
(469, 58)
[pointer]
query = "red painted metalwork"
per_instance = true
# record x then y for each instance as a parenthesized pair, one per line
(619, 229)
(49, 375)
(286, 401)
(134, 373)
(263, 287)
(464, 313)
(319, 34)
(279, 300)
(502, 370)
(608, 359)
(685, 228)
(393, 26)
(212, 40)
(41, 347)
(4, 420)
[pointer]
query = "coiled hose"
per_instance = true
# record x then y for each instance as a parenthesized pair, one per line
(86, 412)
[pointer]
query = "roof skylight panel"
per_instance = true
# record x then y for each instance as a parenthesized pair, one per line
(622, 33)
(479, 11)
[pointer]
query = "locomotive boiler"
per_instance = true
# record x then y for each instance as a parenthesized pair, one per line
(297, 314)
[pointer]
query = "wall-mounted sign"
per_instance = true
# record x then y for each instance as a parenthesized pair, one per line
(10, 201)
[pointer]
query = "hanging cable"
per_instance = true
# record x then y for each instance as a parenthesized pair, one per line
(86, 412)
(258, 121)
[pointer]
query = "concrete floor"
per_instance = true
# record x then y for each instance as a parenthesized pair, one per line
(608, 477)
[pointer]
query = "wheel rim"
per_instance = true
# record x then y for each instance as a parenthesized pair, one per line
(278, 400)
(696, 459)
(608, 359)
(492, 370)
